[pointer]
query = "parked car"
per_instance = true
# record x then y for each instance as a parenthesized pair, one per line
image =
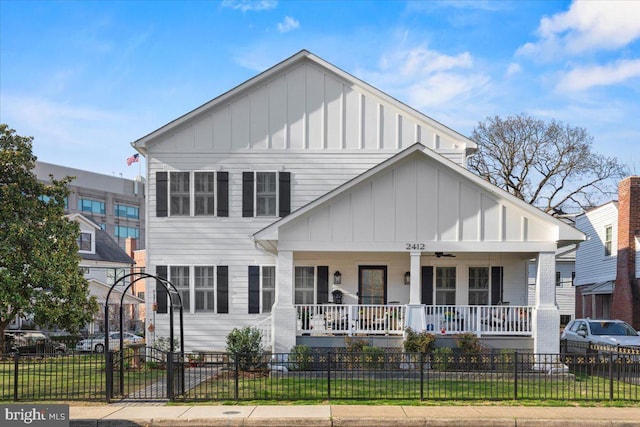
(583, 334)
(96, 344)
(33, 342)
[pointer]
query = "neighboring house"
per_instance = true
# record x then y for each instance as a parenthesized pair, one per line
(607, 263)
(312, 205)
(565, 288)
(116, 204)
(103, 262)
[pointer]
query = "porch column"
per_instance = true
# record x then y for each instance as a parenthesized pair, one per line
(283, 313)
(414, 287)
(546, 316)
(416, 317)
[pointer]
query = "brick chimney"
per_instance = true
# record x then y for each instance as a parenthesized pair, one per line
(130, 246)
(626, 296)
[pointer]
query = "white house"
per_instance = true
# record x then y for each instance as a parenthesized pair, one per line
(608, 262)
(305, 180)
(103, 262)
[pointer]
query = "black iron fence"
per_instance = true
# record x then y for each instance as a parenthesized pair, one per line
(373, 374)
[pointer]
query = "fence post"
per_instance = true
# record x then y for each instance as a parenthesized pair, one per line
(235, 368)
(611, 375)
(170, 374)
(421, 376)
(16, 360)
(515, 375)
(329, 375)
(108, 362)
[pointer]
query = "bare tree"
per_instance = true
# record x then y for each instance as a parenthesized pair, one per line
(547, 164)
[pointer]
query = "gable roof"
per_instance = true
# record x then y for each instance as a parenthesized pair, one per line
(566, 234)
(141, 144)
(107, 249)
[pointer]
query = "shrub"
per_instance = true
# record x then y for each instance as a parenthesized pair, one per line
(373, 357)
(246, 344)
(442, 359)
(418, 342)
(469, 343)
(301, 355)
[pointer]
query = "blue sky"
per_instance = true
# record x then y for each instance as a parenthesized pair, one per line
(85, 79)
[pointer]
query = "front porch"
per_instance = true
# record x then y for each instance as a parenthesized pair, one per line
(392, 319)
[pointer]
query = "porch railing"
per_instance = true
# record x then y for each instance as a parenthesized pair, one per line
(338, 319)
(333, 319)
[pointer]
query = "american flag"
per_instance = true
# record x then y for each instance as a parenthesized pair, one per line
(133, 159)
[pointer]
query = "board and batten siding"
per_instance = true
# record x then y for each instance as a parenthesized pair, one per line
(417, 200)
(592, 266)
(309, 108)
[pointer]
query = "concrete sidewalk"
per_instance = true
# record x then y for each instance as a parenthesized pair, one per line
(352, 415)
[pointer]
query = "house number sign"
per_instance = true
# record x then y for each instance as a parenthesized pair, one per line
(415, 246)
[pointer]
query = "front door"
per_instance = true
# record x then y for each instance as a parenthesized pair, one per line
(372, 284)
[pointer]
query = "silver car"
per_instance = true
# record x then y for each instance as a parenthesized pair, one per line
(96, 344)
(587, 336)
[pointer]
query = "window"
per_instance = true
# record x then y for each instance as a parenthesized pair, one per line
(204, 184)
(608, 240)
(92, 206)
(268, 283)
(141, 295)
(179, 193)
(204, 285)
(85, 270)
(210, 193)
(84, 242)
(266, 194)
(124, 211)
(179, 276)
(114, 274)
(304, 285)
(445, 285)
(558, 278)
(478, 285)
(121, 231)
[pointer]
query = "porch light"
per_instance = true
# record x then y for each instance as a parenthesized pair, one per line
(407, 278)
(337, 278)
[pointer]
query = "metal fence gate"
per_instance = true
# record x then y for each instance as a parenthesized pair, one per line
(144, 373)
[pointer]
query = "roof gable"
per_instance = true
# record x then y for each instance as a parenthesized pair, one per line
(302, 103)
(418, 196)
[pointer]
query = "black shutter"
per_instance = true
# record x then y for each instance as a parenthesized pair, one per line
(222, 296)
(254, 289)
(322, 296)
(285, 193)
(247, 194)
(223, 193)
(427, 285)
(161, 194)
(161, 292)
(497, 274)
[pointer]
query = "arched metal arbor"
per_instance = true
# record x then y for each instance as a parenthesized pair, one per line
(175, 301)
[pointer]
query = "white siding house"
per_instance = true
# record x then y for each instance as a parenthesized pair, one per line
(596, 261)
(304, 181)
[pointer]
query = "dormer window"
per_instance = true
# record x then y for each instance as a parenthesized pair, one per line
(85, 242)
(608, 240)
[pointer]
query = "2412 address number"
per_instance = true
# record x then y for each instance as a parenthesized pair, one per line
(415, 246)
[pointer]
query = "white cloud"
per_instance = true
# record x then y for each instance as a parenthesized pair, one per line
(513, 69)
(586, 26)
(601, 75)
(250, 5)
(288, 24)
(423, 77)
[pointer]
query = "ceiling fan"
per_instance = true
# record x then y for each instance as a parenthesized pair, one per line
(442, 254)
